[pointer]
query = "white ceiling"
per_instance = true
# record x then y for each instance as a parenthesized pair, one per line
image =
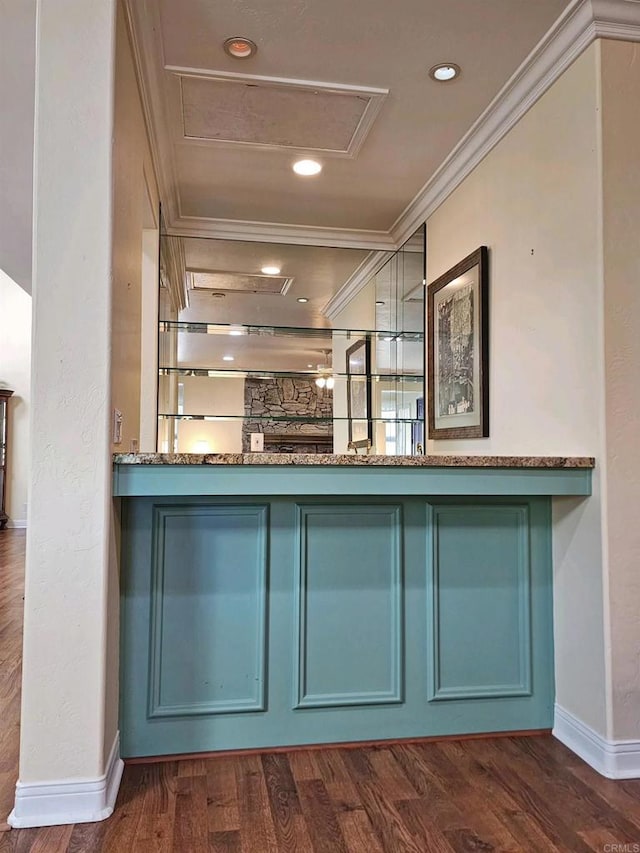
(378, 44)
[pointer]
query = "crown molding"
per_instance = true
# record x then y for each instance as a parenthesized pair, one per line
(144, 30)
(275, 232)
(579, 26)
(356, 281)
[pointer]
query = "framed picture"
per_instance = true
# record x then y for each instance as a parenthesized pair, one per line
(457, 354)
(359, 394)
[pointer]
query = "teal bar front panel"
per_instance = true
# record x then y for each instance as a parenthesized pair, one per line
(481, 602)
(277, 621)
(208, 608)
(330, 480)
(349, 606)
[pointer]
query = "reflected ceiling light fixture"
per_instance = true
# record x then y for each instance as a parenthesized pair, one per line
(235, 332)
(302, 299)
(444, 72)
(325, 380)
(270, 270)
(240, 47)
(227, 358)
(307, 167)
(379, 302)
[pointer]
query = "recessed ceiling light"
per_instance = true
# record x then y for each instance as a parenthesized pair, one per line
(270, 270)
(444, 72)
(307, 167)
(302, 299)
(240, 47)
(379, 302)
(227, 358)
(309, 365)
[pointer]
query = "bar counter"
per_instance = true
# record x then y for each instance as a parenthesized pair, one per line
(279, 599)
(137, 474)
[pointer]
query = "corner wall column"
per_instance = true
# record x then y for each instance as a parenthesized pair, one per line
(69, 763)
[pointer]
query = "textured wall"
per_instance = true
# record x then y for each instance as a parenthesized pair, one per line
(534, 201)
(65, 628)
(621, 214)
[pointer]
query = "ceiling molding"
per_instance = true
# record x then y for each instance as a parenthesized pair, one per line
(274, 232)
(355, 283)
(580, 24)
(144, 29)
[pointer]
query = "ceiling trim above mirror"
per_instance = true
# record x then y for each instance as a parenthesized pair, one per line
(277, 232)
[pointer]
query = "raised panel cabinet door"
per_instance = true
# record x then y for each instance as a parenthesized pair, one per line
(481, 602)
(208, 615)
(349, 605)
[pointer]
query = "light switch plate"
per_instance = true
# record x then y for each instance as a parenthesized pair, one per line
(117, 426)
(257, 442)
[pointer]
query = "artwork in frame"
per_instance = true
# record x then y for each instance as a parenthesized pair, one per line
(458, 350)
(359, 394)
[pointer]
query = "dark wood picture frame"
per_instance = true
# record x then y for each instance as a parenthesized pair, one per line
(355, 437)
(474, 423)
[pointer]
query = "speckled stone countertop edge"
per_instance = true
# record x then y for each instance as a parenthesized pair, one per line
(326, 459)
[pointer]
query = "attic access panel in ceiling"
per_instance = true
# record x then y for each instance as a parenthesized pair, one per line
(277, 113)
(238, 282)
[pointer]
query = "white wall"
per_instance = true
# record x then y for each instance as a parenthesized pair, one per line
(17, 94)
(535, 201)
(149, 340)
(15, 373)
(134, 191)
(621, 218)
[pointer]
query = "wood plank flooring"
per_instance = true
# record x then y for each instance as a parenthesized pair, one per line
(497, 794)
(12, 544)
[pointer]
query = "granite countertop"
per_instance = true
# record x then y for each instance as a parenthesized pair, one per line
(430, 461)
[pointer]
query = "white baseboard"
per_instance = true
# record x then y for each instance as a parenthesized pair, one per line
(55, 803)
(17, 523)
(615, 759)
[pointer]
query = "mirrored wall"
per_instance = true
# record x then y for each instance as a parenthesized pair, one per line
(289, 348)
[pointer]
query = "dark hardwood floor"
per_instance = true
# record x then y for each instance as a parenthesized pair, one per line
(503, 794)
